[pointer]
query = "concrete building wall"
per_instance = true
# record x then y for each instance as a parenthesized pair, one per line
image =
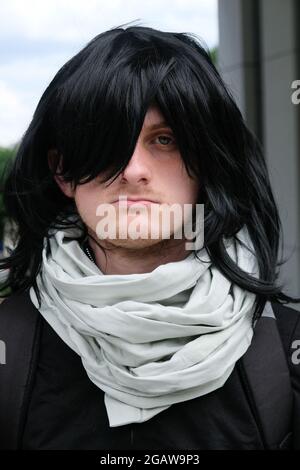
(259, 60)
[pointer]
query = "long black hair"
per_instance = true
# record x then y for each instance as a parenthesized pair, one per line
(92, 113)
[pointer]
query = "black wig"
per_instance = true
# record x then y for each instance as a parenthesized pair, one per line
(91, 114)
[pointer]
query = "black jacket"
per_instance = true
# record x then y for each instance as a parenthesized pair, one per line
(63, 409)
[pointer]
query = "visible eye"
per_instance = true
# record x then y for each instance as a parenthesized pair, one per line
(165, 140)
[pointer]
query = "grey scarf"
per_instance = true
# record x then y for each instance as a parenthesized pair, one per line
(153, 339)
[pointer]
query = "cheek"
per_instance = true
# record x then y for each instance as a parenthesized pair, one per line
(87, 203)
(194, 186)
(184, 188)
(191, 185)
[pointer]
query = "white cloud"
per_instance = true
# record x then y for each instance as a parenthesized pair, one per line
(69, 20)
(13, 115)
(23, 82)
(63, 27)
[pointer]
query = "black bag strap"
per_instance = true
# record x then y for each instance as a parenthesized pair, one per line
(266, 378)
(19, 331)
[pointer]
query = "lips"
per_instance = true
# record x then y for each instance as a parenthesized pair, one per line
(136, 200)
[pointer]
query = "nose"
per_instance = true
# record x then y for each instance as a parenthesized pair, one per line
(139, 166)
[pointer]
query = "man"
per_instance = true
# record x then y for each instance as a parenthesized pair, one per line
(156, 173)
(136, 341)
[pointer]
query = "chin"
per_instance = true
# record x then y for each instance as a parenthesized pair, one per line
(131, 244)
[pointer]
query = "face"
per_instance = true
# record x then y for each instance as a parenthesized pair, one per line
(155, 172)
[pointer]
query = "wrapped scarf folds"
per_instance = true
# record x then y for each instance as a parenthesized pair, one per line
(153, 339)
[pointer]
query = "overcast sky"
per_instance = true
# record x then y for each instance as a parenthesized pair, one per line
(38, 37)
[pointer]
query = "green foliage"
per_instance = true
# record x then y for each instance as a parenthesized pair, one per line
(214, 55)
(6, 156)
(4, 292)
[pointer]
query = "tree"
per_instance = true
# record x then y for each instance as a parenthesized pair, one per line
(6, 156)
(214, 55)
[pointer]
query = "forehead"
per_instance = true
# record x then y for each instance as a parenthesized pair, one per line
(154, 118)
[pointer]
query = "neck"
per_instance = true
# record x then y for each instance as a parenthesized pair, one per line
(112, 259)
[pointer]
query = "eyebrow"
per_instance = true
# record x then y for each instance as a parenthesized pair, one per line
(158, 125)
